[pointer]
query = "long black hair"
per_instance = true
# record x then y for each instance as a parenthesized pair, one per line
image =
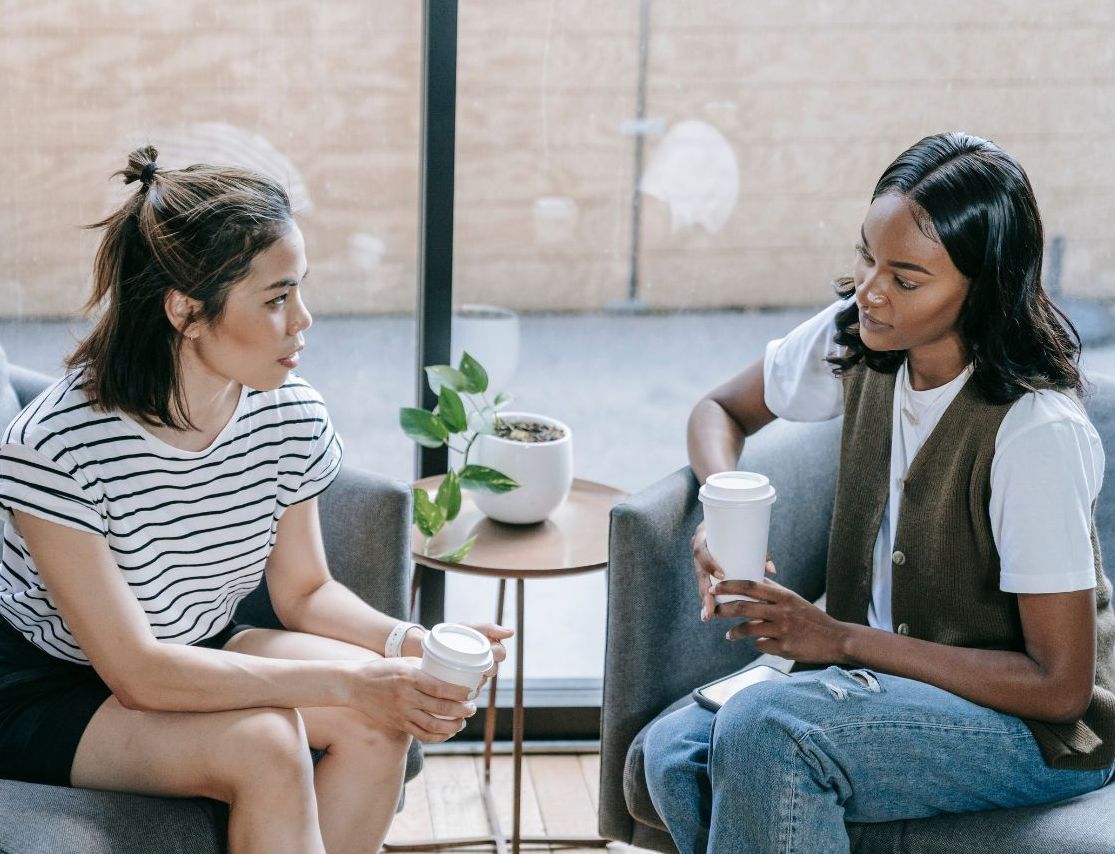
(976, 201)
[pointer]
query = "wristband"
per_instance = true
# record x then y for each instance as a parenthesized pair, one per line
(394, 646)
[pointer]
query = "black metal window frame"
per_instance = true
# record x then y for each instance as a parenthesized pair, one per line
(556, 708)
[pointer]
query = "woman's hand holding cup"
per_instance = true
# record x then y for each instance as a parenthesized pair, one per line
(495, 635)
(397, 694)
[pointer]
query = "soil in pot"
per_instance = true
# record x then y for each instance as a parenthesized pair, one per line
(529, 432)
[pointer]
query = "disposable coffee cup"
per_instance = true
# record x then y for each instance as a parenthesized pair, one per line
(457, 654)
(737, 522)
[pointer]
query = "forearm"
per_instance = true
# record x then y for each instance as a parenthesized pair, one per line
(334, 611)
(714, 439)
(1009, 682)
(180, 678)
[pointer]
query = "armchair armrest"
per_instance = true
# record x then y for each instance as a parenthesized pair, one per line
(657, 648)
(365, 524)
(27, 383)
(365, 527)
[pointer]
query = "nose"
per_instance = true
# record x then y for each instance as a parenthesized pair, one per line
(868, 291)
(300, 317)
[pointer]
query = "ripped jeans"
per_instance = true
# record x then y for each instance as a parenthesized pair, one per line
(782, 766)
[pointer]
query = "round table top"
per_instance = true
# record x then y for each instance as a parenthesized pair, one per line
(573, 540)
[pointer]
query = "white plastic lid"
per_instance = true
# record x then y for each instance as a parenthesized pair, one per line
(459, 647)
(729, 488)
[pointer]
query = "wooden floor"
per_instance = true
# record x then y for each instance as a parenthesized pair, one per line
(559, 798)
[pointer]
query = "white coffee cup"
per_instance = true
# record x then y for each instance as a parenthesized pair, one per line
(457, 654)
(737, 523)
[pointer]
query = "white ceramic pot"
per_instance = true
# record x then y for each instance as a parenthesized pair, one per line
(490, 335)
(543, 470)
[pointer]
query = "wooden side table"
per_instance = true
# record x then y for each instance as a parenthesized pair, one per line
(573, 540)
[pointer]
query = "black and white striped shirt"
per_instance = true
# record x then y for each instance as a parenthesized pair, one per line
(190, 530)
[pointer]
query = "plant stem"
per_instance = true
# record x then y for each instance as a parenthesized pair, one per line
(469, 448)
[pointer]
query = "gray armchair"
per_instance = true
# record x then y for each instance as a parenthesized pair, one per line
(365, 521)
(658, 650)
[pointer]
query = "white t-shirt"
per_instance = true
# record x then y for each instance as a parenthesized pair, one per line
(1045, 476)
(190, 530)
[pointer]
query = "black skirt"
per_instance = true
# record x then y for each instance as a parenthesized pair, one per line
(46, 704)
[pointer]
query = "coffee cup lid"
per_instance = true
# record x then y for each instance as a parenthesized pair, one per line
(461, 647)
(736, 487)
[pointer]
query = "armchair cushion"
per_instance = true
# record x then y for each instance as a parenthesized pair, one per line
(10, 402)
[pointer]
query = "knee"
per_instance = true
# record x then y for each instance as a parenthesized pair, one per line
(676, 746)
(350, 729)
(754, 725)
(265, 748)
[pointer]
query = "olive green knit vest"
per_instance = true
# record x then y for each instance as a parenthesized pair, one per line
(945, 565)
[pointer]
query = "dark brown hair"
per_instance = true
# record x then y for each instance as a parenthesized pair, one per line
(195, 230)
(976, 201)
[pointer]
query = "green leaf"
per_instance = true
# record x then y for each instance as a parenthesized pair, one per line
(458, 554)
(427, 515)
(502, 399)
(475, 375)
(451, 410)
(484, 479)
(449, 495)
(440, 376)
(423, 427)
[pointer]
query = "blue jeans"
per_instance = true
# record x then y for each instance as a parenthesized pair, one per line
(782, 766)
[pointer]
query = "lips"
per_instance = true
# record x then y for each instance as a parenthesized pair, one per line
(870, 322)
(291, 361)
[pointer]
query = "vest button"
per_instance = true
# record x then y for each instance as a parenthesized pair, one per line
(898, 558)
(903, 629)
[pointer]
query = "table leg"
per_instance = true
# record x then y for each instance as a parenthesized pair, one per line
(517, 718)
(415, 583)
(496, 838)
(490, 714)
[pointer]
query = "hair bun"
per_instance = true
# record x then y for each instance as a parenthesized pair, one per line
(141, 165)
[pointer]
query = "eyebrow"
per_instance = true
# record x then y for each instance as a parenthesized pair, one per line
(286, 283)
(901, 265)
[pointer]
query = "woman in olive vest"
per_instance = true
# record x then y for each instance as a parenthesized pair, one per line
(963, 660)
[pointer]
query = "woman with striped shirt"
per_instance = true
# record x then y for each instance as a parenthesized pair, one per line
(148, 492)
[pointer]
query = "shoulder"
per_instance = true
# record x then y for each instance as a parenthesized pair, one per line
(293, 398)
(1049, 425)
(1041, 410)
(61, 412)
(798, 380)
(296, 409)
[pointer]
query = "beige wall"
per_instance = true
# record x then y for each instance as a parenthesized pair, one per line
(817, 98)
(811, 101)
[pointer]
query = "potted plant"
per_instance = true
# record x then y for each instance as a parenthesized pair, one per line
(537, 452)
(529, 454)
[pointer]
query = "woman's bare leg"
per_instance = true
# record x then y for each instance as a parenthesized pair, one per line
(360, 778)
(255, 760)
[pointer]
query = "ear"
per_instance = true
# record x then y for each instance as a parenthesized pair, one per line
(181, 311)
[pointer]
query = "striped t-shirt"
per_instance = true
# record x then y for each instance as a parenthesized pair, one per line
(190, 530)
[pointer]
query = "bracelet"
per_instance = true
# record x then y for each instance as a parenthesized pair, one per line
(393, 648)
